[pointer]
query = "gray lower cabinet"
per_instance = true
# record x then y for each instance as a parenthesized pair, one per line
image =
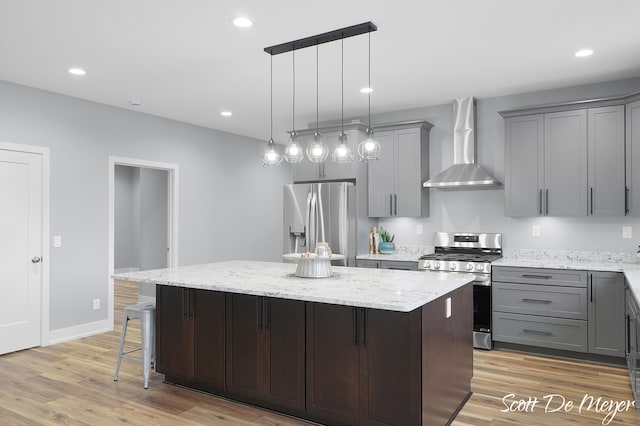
(633, 157)
(387, 264)
(632, 351)
(606, 316)
(395, 179)
(565, 162)
(559, 309)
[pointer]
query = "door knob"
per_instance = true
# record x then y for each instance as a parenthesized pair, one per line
(36, 259)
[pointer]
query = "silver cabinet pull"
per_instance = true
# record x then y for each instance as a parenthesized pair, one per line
(543, 277)
(395, 204)
(36, 259)
(547, 201)
(541, 333)
(540, 201)
(626, 200)
(591, 196)
(390, 204)
(536, 301)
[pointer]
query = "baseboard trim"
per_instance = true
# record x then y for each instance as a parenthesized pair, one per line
(77, 332)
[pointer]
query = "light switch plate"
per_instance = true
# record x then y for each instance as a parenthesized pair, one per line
(419, 230)
(57, 241)
(535, 231)
(96, 304)
(627, 232)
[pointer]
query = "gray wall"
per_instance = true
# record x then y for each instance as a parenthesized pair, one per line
(127, 218)
(230, 206)
(482, 210)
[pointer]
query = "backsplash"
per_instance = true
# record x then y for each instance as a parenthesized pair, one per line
(571, 255)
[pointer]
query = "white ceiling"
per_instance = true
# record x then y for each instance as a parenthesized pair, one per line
(186, 61)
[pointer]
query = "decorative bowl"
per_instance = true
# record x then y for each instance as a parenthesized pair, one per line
(314, 267)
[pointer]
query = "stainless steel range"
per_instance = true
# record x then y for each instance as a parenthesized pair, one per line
(473, 253)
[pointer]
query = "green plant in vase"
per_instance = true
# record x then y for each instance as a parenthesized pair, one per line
(386, 242)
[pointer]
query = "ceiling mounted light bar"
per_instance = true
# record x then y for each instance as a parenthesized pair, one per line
(334, 35)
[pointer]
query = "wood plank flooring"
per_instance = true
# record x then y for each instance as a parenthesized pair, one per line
(72, 384)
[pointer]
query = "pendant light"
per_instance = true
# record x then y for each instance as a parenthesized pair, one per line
(317, 150)
(369, 148)
(293, 153)
(342, 153)
(272, 158)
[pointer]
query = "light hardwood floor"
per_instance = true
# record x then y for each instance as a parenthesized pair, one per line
(72, 384)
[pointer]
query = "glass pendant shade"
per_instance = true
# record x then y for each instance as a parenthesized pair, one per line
(293, 153)
(342, 153)
(369, 148)
(317, 150)
(272, 157)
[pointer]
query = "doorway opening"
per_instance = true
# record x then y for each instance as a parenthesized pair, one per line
(143, 211)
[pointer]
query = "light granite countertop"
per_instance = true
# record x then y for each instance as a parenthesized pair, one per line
(386, 289)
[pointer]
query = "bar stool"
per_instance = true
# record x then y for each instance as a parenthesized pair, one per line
(146, 313)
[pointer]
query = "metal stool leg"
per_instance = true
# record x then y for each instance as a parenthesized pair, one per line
(147, 336)
(125, 320)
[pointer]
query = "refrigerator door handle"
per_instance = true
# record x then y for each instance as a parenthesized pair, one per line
(313, 224)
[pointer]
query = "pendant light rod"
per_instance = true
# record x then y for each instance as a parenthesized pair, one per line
(317, 88)
(271, 97)
(341, 86)
(369, 97)
(327, 37)
(293, 56)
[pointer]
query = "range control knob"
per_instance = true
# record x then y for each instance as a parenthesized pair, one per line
(436, 265)
(452, 266)
(479, 267)
(469, 266)
(427, 265)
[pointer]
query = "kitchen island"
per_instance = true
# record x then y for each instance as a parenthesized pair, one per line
(361, 347)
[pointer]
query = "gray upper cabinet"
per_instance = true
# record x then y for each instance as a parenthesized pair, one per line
(395, 179)
(306, 171)
(524, 165)
(633, 157)
(606, 313)
(606, 144)
(566, 162)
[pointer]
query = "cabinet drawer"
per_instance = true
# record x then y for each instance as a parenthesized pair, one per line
(556, 333)
(563, 277)
(366, 263)
(399, 264)
(545, 300)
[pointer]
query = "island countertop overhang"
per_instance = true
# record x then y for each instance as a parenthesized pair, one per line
(401, 291)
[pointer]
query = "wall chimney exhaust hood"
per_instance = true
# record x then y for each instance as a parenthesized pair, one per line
(464, 172)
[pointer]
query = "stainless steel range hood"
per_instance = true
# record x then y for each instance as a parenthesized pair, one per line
(464, 172)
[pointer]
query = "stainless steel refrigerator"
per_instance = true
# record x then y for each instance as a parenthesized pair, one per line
(316, 212)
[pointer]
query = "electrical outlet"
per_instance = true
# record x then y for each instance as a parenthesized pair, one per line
(535, 231)
(96, 304)
(627, 232)
(57, 241)
(419, 230)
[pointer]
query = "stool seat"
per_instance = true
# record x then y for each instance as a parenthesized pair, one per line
(146, 313)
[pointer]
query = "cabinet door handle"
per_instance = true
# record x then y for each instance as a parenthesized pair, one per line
(364, 327)
(591, 198)
(547, 201)
(192, 295)
(354, 314)
(540, 333)
(184, 304)
(536, 301)
(259, 313)
(591, 287)
(390, 204)
(395, 204)
(267, 313)
(626, 334)
(540, 201)
(626, 200)
(542, 277)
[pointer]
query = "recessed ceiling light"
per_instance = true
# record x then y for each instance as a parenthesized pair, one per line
(366, 90)
(77, 71)
(584, 52)
(226, 113)
(242, 22)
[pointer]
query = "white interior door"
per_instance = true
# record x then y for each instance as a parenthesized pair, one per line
(20, 250)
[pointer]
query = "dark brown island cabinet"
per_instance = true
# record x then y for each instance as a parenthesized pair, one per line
(332, 364)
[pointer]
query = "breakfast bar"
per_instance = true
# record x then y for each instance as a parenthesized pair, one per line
(364, 346)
